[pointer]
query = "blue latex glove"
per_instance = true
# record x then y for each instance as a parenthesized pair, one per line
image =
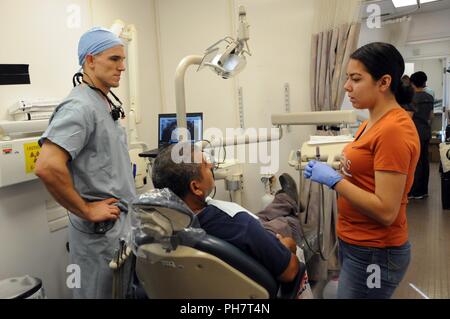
(322, 173)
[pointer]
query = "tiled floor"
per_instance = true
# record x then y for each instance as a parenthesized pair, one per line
(429, 233)
(428, 275)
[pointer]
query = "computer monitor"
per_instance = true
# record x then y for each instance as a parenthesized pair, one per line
(168, 123)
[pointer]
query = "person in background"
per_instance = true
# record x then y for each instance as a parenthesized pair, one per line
(423, 76)
(377, 173)
(406, 80)
(423, 114)
(405, 100)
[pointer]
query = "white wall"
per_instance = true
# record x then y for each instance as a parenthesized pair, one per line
(280, 43)
(141, 14)
(281, 38)
(424, 26)
(433, 69)
(36, 33)
(427, 50)
(430, 25)
(168, 30)
(396, 33)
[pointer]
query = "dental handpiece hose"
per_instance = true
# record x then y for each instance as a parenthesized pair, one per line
(308, 244)
(300, 180)
(321, 212)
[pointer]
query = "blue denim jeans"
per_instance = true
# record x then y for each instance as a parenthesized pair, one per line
(369, 272)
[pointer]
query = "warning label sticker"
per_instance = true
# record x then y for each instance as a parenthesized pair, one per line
(31, 153)
(7, 149)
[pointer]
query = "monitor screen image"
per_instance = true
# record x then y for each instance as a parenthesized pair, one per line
(168, 125)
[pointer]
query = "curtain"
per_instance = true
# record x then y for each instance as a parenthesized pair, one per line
(335, 37)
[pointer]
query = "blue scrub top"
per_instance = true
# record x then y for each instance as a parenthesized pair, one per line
(100, 164)
(101, 168)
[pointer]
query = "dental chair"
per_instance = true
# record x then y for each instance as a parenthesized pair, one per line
(177, 259)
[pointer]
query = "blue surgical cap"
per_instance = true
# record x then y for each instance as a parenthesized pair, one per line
(95, 41)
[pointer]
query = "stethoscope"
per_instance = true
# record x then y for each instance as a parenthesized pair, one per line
(116, 113)
(116, 110)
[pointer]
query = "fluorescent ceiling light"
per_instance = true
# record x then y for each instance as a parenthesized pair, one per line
(405, 3)
(426, 1)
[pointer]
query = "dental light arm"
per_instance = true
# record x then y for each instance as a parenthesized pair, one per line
(180, 92)
(226, 58)
(330, 151)
(242, 139)
(316, 118)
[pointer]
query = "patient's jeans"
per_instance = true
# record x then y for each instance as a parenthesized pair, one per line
(372, 273)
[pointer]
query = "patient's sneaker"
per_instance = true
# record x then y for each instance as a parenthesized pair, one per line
(289, 186)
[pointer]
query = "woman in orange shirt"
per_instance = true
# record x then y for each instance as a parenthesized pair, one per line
(377, 174)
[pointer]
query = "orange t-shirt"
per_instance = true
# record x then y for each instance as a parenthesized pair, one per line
(391, 144)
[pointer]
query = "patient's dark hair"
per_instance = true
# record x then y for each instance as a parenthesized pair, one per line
(383, 58)
(175, 176)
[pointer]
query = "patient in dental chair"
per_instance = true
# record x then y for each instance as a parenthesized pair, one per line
(192, 180)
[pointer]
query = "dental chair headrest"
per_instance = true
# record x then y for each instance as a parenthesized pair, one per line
(161, 216)
(161, 219)
(167, 204)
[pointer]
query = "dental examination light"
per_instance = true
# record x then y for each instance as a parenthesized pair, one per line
(225, 64)
(226, 58)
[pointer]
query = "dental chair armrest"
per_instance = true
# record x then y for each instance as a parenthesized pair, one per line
(240, 261)
(290, 290)
(144, 240)
(149, 154)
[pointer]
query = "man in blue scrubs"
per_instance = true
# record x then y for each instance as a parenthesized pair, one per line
(85, 165)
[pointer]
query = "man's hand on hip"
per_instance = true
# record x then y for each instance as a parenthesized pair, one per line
(102, 210)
